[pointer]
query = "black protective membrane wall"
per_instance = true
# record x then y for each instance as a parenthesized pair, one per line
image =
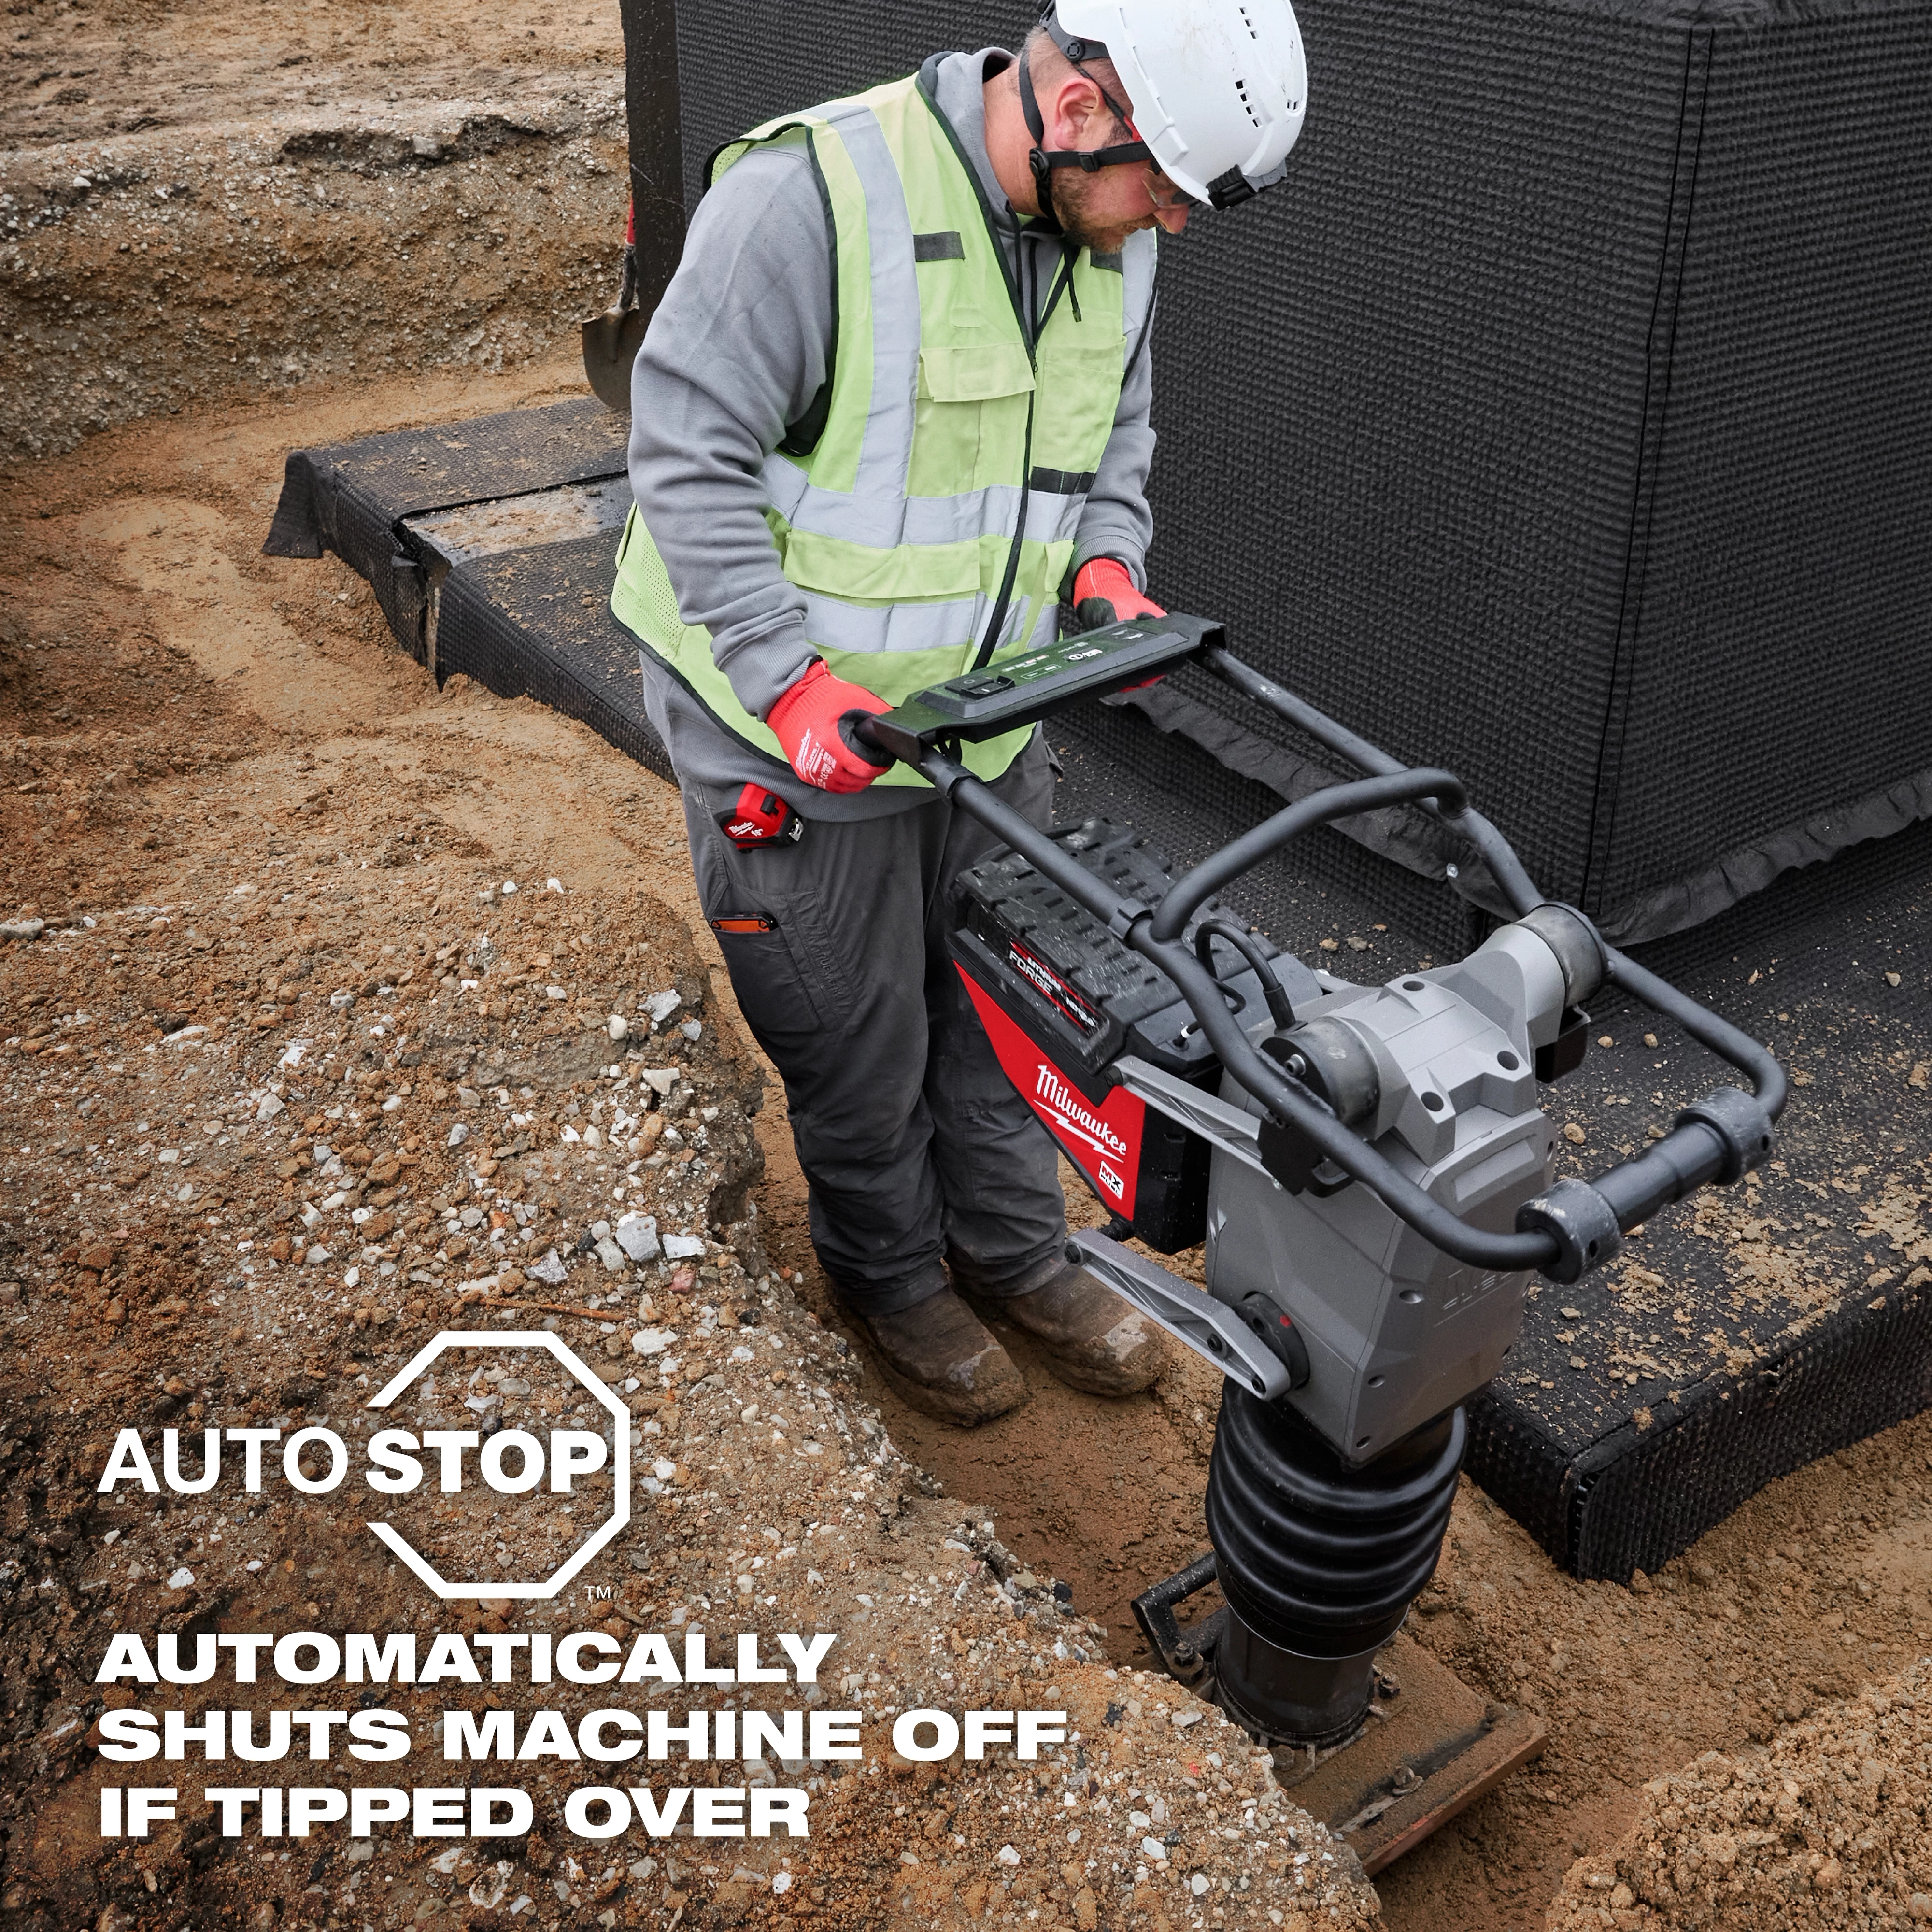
(1563, 418)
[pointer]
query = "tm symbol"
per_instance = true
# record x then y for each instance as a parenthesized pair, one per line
(597, 1593)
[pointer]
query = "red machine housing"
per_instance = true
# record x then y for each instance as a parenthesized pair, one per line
(1062, 1000)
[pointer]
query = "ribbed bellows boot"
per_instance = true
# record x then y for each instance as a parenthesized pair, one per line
(1318, 1563)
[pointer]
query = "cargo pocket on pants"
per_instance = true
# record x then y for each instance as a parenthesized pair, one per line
(773, 994)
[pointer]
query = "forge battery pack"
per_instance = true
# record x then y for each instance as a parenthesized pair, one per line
(1062, 999)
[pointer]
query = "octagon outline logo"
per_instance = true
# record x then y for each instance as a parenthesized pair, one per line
(419, 1566)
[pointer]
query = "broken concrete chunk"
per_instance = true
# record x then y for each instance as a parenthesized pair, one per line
(637, 1234)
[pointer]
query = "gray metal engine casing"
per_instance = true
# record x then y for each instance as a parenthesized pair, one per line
(1397, 1332)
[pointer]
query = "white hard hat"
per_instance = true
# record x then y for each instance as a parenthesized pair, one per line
(1219, 87)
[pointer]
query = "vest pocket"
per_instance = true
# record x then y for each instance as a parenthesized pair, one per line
(972, 372)
(858, 574)
(970, 418)
(1079, 397)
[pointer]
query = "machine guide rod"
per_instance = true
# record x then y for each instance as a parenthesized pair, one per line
(1211, 1328)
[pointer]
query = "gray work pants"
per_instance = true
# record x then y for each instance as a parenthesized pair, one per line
(915, 1147)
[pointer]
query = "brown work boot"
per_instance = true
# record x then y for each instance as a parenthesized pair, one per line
(938, 1355)
(1092, 1340)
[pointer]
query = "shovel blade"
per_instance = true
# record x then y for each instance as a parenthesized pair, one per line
(611, 341)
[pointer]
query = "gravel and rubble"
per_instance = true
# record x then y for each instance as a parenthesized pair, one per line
(383, 1126)
(247, 1203)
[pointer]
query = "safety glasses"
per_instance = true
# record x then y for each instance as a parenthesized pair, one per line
(1162, 194)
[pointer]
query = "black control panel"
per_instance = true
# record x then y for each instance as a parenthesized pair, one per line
(981, 704)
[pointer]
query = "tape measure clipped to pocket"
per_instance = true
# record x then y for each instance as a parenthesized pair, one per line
(761, 821)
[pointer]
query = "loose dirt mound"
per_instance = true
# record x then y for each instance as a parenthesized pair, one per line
(191, 206)
(1827, 1828)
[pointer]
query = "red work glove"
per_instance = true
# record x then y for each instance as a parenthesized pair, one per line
(810, 721)
(1103, 593)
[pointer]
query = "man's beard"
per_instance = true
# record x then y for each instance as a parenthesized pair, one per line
(1073, 194)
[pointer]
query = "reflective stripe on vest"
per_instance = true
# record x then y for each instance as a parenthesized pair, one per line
(954, 460)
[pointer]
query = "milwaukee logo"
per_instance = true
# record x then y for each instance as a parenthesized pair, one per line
(1106, 1150)
(759, 817)
(1055, 1097)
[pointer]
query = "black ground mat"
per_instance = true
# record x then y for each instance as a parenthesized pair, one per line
(352, 499)
(1764, 1326)
(1734, 1340)
(511, 595)
(1326, 887)
(537, 623)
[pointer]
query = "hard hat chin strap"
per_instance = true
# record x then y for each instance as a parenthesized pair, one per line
(1043, 160)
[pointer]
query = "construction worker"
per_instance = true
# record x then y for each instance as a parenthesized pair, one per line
(892, 409)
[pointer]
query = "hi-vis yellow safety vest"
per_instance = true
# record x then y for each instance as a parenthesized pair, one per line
(940, 497)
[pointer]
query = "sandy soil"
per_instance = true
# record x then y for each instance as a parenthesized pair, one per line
(184, 718)
(214, 198)
(294, 1081)
(1826, 1828)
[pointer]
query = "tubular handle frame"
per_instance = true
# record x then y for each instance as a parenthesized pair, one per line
(1710, 1030)
(1319, 807)
(1697, 1150)
(1277, 1090)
